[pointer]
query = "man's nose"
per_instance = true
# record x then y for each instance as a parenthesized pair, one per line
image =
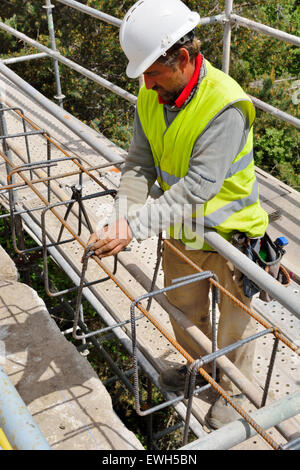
(149, 82)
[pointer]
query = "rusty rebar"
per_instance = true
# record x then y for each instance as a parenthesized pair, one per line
(159, 327)
(264, 323)
(49, 139)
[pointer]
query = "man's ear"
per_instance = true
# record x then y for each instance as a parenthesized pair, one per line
(184, 58)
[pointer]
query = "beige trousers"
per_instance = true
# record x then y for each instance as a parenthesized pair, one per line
(193, 300)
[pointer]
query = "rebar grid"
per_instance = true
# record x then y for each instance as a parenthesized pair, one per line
(194, 365)
(30, 184)
(278, 335)
(110, 275)
(208, 378)
(155, 323)
(51, 141)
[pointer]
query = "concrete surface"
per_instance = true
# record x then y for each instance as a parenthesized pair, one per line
(63, 394)
(8, 270)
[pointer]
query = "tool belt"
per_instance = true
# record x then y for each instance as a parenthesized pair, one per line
(268, 255)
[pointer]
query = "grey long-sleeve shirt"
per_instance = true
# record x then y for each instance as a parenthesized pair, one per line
(210, 161)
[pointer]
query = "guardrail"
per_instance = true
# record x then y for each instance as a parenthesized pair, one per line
(20, 428)
(286, 298)
(227, 19)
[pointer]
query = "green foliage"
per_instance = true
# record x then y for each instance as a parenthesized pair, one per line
(258, 62)
(265, 67)
(278, 153)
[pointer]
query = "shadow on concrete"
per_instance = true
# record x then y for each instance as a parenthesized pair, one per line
(54, 375)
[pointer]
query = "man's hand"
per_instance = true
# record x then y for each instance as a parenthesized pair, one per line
(112, 239)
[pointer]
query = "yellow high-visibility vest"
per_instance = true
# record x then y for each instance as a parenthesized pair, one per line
(236, 207)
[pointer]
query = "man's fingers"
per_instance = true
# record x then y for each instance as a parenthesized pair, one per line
(111, 239)
(112, 247)
(93, 240)
(113, 252)
(106, 246)
(99, 244)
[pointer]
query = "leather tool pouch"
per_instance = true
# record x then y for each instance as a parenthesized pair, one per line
(268, 255)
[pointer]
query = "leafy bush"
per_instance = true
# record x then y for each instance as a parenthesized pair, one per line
(265, 67)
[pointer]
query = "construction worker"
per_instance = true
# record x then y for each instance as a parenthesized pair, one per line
(193, 135)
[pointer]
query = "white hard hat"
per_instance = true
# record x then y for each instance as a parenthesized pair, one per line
(150, 28)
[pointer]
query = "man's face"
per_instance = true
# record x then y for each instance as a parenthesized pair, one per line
(166, 81)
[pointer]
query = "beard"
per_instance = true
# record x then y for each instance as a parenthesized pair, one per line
(170, 96)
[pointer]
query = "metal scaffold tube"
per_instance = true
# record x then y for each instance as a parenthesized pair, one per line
(275, 33)
(92, 12)
(284, 295)
(99, 15)
(132, 98)
(227, 36)
(16, 421)
(24, 58)
(63, 116)
(59, 96)
(276, 112)
(71, 64)
(238, 431)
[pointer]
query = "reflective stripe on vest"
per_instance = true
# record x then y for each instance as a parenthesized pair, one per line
(166, 177)
(236, 206)
(240, 165)
(237, 166)
(219, 216)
